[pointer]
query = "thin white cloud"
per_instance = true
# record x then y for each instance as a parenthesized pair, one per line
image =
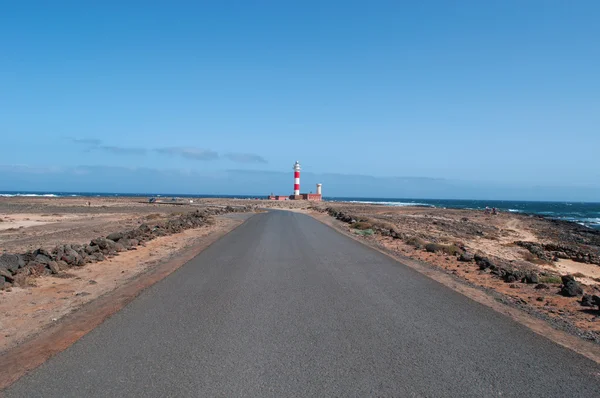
(189, 153)
(245, 158)
(93, 144)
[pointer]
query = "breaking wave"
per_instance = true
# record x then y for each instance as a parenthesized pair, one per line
(45, 195)
(399, 204)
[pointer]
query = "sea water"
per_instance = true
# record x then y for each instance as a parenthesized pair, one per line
(584, 213)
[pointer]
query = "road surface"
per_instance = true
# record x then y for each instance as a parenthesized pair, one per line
(285, 306)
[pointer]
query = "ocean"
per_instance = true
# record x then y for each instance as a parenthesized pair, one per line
(584, 213)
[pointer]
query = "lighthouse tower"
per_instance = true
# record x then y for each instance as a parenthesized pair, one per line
(297, 178)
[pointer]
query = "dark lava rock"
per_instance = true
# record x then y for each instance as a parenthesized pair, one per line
(53, 267)
(570, 287)
(485, 263)
(91, 249)
(466, 257)
(431, 247)
(542, 286)
(518, 274)
(43, 252)
(103, 244)
(71, 257)
(115, 236)
(5, 274)
(596, 300)
(532, 277)
(510, 278)
(42, 259)
(11, 262)
(587, 300)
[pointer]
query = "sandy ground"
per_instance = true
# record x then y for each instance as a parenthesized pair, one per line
(27, 310)
(32, 223)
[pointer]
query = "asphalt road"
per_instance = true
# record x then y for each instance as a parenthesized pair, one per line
(284, 306)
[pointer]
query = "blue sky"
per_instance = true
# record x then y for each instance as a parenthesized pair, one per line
(499, 94)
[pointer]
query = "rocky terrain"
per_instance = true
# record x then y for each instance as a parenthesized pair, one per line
(15, 269)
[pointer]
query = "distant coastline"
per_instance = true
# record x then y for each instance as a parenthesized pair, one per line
(583, 213)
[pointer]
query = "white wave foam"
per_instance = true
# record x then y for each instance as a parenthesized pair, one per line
(514, 211)
(391, 203)
(46, 195)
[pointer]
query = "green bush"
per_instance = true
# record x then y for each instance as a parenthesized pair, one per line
(364, 232)
(550, 279)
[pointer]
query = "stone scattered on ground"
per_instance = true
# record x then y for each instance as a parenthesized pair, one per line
(15, 269)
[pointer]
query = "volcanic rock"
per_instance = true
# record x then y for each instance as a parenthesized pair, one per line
(570, 287)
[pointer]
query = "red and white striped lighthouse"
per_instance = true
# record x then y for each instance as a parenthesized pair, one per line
(297, 178)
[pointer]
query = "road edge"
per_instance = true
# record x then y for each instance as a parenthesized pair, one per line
(29, 355)
(582, 347)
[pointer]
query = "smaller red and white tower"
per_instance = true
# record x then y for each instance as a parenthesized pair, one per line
(297, 178)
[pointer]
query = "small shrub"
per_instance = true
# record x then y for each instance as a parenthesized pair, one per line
(550, 279)
(384, 225)
(433, 247)
(415, 242)
(527, 256)
(452, 250)
(364, 232)
(530, 257)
